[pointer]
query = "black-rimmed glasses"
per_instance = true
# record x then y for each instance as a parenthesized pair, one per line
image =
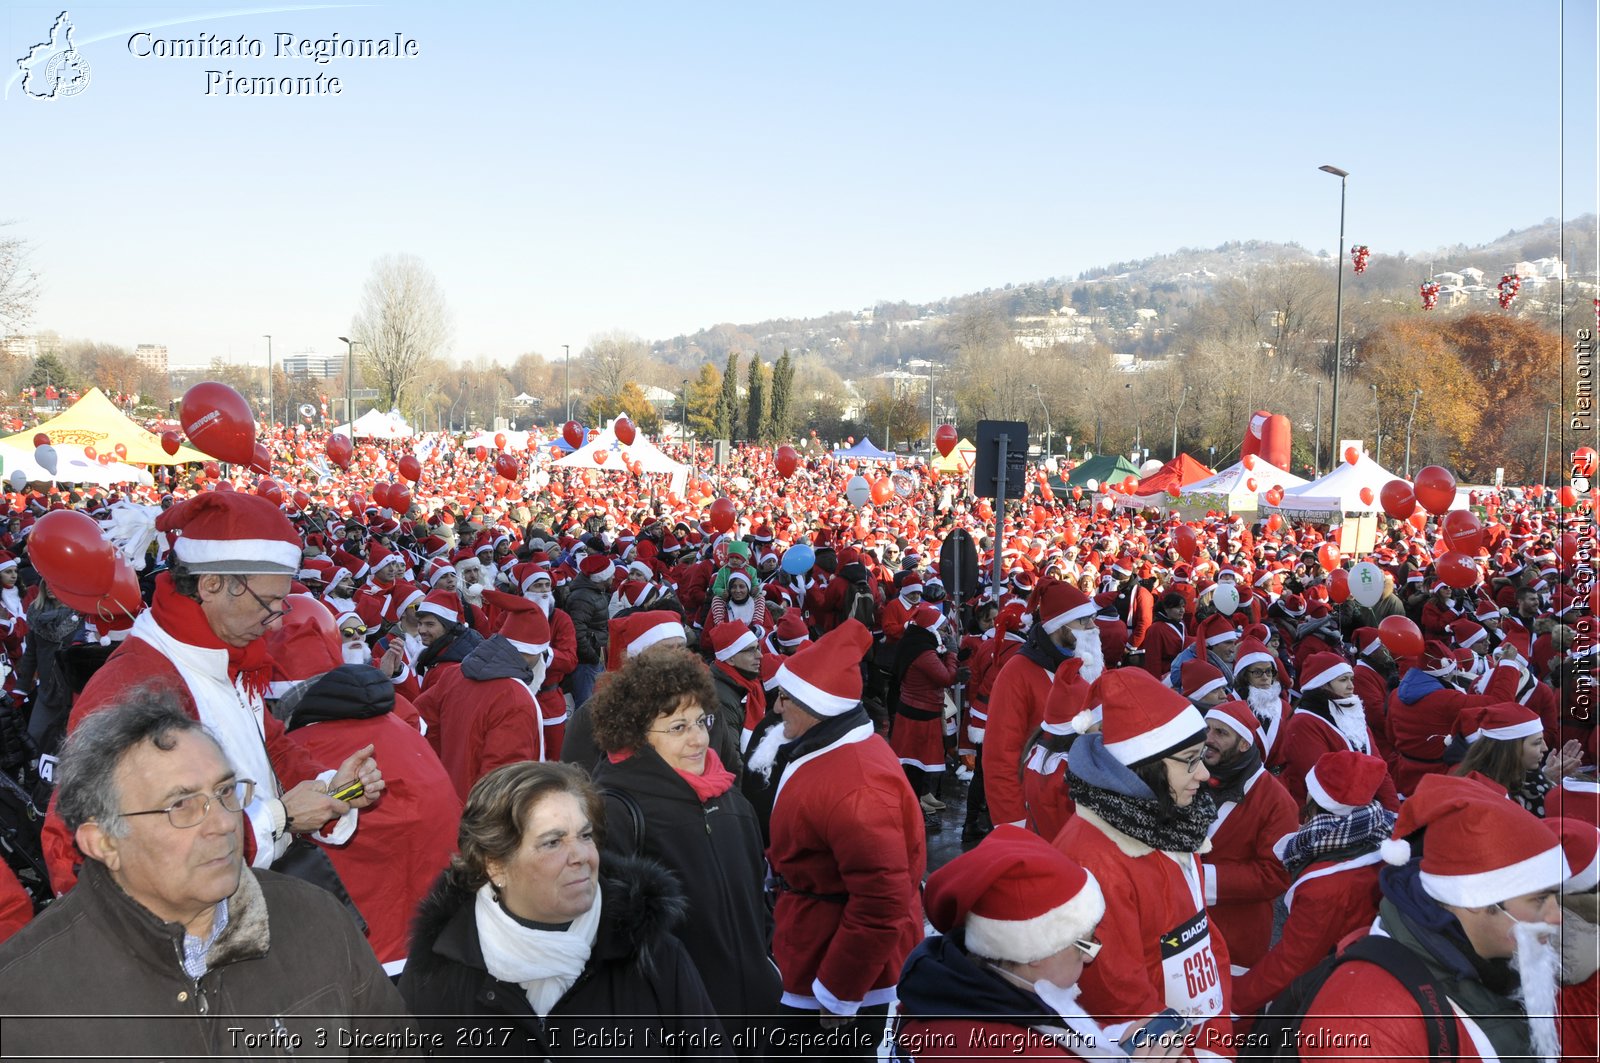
(273, 614)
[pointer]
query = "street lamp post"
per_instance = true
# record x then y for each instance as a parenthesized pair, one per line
(1338, 306)
(269, 384)
(1049, 432)
(349, 373)
(567, 347)
(931, 414)
(1377, 427)
(1316, 447)
(1416, 394)
(1175, 415)
(1544, 472)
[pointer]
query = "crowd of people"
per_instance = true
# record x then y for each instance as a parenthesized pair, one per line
(567, 764)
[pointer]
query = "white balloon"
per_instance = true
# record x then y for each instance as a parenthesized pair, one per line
(1225, 598)
(1092, 485)
(45, 455)
(19, 479)
(1149, 468)
(858, 492)
(1366, 583)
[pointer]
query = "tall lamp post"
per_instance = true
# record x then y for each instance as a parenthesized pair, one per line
(1416, 394)
(349, 373)
(1049, 433)
(567, 348)
(269, 384)
(1175, 415)
(1377, 427)
(1544, 472)
(1338, 307)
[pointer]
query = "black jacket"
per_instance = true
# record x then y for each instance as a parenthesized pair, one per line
(638, 997)
(349, 692)
(495, 658)
(588, 604)
(729, 728)
(453, 648)
(714, 849)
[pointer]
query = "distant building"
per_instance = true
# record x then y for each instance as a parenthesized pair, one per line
(309, 365)
(152, 356)
(1448, 279)
(25, 347)
(1472, 275)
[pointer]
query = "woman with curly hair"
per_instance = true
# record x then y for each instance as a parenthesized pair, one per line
(668, 797)
(530, 946)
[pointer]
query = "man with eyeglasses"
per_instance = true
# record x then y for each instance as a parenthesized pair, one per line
(202, 639)
(170, 945)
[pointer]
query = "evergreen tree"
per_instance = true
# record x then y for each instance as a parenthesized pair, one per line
(782, 392)
(704, 400)
(756, 423)
(48, 371)
(728, 402)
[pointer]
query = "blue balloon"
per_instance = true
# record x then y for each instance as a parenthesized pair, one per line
(798, 559)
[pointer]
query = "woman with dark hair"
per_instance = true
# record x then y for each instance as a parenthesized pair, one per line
(924, 667)
(525, 949)
(1142, 813)
(1506, 743)
(1330, 717)
(52, 627)
(668, 797)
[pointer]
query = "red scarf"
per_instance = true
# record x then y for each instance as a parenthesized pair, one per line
(184, 620)
(713, 782)
(755, 697)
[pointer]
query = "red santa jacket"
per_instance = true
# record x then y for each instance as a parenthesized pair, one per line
(1162, 643)
(1141, 614)
(1044, 785)
(1423, 710)
(1016, 705)
(990, 656)
(825, 601)
(1159, 952)
(1243, 875)
(1113, 640)
(563, 662)
(893, 618)
(1374, 694)
(848, 846)
(1306, 736)
(1436, 620)
(483, 723)
(16, 907)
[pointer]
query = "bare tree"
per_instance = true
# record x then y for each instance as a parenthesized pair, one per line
(19, 285)
(613, 360)
(403, 324)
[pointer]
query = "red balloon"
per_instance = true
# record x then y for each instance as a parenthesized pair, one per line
(556, 452)
(1275, 495)
(261, 462)
(212, 470)
(499, 441)
(1566, 496)
(358, 502)
(113, 608)
(340, 450)
(170, 442)
(624, 431)
(1250, 484)
(1352, 455)
(1077, 494)
(722, 514)
(69, 552)
(1567, 548)
(787, 460)
(41, 439)
(945, 439)
(1457, 570)
(1274, 522)
(1397, 499)
(1400, 636)
(1419, 521)
(411, 468)
(1249, 461)
(1175, 491)
(507, 467)
(1462, 530)
(380, 494)
(600, 456)
(572, 432)
(1367, 496)
(217, 420)
(90, 453)
(301, 500)
(1435, 488)
(1583, 461)
(1328, 557)
(1338, 585)
(121, 450)
(225, 485)
(882, 491)
(481, 453)
(400, 498)
(269, 490)
(1186, 542)
(103, 459)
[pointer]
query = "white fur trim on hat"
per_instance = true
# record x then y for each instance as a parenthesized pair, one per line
(813, 697)
(1232, 724)
(452, 616)
(1542, 871)
(529, 648)
(1259, 657)
(1525, 729)
(1206, 688)
(652, 635)
(1186, 724)
(743, 642)
(238, 557)
(1031, 940)
(1056, 623)
(1327, 676)
(1338, 808)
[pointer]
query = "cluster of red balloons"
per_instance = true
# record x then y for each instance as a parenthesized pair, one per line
(84, 569)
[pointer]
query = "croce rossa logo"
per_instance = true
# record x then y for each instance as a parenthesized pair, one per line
(54, 68)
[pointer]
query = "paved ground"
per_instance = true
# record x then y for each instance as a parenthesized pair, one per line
(946, 844)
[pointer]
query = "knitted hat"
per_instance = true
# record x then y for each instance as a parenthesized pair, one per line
(1237, 717)
(1480, 849)
(444, 605)
(729, 638)
(1060, 604)
(825, 677)
(304, 645)
(1143, 719)
(232, 534)
(1322, 669)
(1216, 629)
(1580, 842)
(1344, 780)
(1019, 898)
(1199, 678)
(1504, 722)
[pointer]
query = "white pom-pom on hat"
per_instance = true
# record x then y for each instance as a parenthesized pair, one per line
(1396, 851)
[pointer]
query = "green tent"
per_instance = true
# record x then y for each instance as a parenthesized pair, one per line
(1102, 468)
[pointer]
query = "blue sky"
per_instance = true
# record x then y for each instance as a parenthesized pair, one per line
(566, 169)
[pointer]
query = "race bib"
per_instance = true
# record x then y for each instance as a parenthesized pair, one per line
(1189, 971)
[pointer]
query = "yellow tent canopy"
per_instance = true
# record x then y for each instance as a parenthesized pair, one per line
(94, 421)
(960, 459)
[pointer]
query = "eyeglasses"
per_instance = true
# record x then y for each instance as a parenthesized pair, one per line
(681, 728)
(1090, 947)
(1191, 764)
(273, 614)
(354, 631)
(189, 810)
(1264, 672)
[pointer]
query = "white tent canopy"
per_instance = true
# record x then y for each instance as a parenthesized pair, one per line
(1340, 490)
(514, 440)
(375, 425)
(1230, 489)
(640, 450)
(71, 468)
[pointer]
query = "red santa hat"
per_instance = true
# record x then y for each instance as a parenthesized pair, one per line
(1465, 633)
(909, 583)
(1236, 716)
(305, 645)
(1504, 721)
(1251, 652)
(927, 617)
(1216, 629)
(1486, 610)
(631, 635)
(232, 534)
(729, 638)
(791, 630)
(525, 626)
(1343, 781)
(597, 567)
(1198, 678)
(1060, 604)
(442, 604)
(1019, 898)
(7, 561)
(1580, 842)
(1322, 669)
(1144, 720)
(1367, 640)
(1069, 694)
(825, 677)
(1480, 849)
(1437, 660)
(403, 596)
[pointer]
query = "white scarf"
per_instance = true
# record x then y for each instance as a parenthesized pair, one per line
(544, 963)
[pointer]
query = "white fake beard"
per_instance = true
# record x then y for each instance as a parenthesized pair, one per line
(1537, 961)
(356, 653)
(1089, 652)
(1351, 718)
(762, 757)
(1265, 702)
(545, 601)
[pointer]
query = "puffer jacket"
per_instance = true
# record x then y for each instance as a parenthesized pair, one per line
(588, 604)
(638, 997)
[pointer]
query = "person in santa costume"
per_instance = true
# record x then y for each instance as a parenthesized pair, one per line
(587, 603)
(629, 636)
(1329, 717)
(202, 638)
(1044, 767)
(1426, 704)
(1333, 861)
(1579, 1000)
(1505, 743)
(1064, 628)
(924, 667)
(1373, 668)
(736, 677)
(487, 711)
(1258, 680)
(847, 851)
(1016, 929)
(1143, 811)
(1216, 641)
(1243, 875)
(1166, 636)
(539, 589)
(1478, 906)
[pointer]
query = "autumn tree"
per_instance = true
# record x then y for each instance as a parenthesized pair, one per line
(403, 324)
(613, 360)
(892, 413)
(631, 401)
(782, 392)
(727, 415)
(1410, 355)
(757, 426)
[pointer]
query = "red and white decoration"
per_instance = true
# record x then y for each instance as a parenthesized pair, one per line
(1510, 285)
(1358, 257)
(1430, 294)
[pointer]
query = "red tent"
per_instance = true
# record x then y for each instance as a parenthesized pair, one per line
(1175, 473)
